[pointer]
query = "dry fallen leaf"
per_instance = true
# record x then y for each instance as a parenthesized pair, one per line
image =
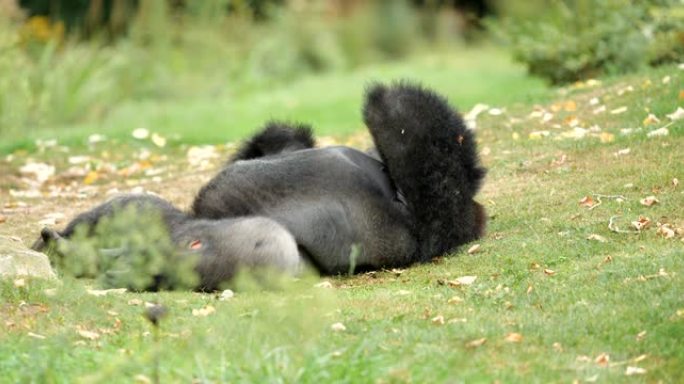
(3, 219)
(598, 238)
(602, 359)
(19, 283)
(463, 280)
(39, 171)
(640, 336)
(90, 335)
(651, 119)
(549, 272)
(158, 140)
(455, 300)
(660, 132)
(140, 133)
(475, 248)
(514, 337)
(642, 223)
(457, 320)
(619, 110)
(678, 114)
(649, 201)
(438, 320)
(105, 292)
(606, 137)
(227, 294)
(630, 371)
(135, 302)
(622, 152)
(665, 231)
(675, 182)
(35, 336)
(204, 312)
(587, 201)
(338, 327)
(476, 343)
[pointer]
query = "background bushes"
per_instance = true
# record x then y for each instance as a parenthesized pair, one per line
(570, 40)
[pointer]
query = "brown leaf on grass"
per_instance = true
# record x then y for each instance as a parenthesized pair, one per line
(587, 201)
(649, 201)
(596, 237)
(549, 272)
(323, 284)
(642, 223)
(631, 371)
(660, 132)
(438, 320)
(619, 110)
(476, 343)
(571, 121)
(3, 219)
(105, 292)
(135, 302)
(678, 114)
(463, 280)
(474, 249)
(338, 327)
(675, 182)
(570, 106)
(91, 177)
(530, 288)
(665, 231)
(622, 152)
(455, 300)
(640, 336)
(35, 336)
(651, 119)
(606, 137)
(204, 312)
(514, 337)
(603, 359)
(90, 335)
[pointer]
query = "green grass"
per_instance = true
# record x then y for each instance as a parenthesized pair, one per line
(571, 299)
(331, 103)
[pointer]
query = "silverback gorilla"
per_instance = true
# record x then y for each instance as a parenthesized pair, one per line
(281, 203)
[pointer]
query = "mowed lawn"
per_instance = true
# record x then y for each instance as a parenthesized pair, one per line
(562, 288)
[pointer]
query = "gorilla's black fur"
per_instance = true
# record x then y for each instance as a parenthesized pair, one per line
(276, 138)
(315, 205)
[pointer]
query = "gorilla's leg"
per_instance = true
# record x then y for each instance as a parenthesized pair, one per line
(276, 137)
(432, 159)
(228, 246)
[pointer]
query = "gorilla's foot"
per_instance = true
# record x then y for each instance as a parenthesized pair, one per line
(432, 158)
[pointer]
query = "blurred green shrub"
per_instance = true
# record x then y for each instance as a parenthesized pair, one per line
(131, 249)
(569, 40)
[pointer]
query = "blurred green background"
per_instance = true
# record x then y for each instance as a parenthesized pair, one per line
(213, 70)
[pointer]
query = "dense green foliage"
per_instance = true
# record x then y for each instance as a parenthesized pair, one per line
(130, 249)
(569, 40)
(49, 77)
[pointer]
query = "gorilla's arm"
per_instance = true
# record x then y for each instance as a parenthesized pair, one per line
(432, 159)
(275, 138)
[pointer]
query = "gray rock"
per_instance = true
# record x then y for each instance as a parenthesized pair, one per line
(18, 260)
